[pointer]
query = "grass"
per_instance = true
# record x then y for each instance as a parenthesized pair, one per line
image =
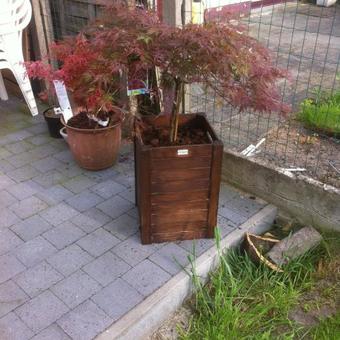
(245, 301)
(322, 114)
(328, 329)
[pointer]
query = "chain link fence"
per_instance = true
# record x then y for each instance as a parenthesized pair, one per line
(304, 38)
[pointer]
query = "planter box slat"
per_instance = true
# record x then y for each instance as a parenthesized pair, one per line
(179, 227)
(180, 186)
(174, 197)
(177, 187)
(180, 163)
(182, 216)
(203, 150)
(179, 174)
(182, 235)
(185, 205)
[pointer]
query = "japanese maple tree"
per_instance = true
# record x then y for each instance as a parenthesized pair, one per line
(221, 56)
(92, 80)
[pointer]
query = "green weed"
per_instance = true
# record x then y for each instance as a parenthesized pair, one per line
(322, 114)
(246, 301)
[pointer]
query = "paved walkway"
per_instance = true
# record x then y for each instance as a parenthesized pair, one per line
(71, 261)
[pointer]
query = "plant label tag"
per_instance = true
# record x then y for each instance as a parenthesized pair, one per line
(63, 100)
(182, 152)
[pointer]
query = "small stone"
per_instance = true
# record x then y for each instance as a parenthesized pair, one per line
(294, 245)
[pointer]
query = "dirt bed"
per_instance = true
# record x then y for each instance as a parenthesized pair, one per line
(293, 146)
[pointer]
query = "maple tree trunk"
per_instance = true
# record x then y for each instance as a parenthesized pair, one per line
(179, 86)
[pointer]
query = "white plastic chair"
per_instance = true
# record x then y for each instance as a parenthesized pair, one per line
(15, 15)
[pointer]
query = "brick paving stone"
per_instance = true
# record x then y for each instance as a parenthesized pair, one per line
(98, 216)
(225, 226)
(8, 241)
(231, 215)
(123, 227)
(98, 242)
(19, 147)
(64, 156)
(41, 311)
(108, 188)
(24, 189)
(54, 195)
(8, 218)
(42, 151)
(227, 194)
(11, 297)
(70, 170)
(31, 227)
(20, 159)
(132, 251)
(39, 139)
(5, 166)
(172, 258)
(76, 288)
(23, 174)
(4, 153)
(115, 206)
(12, 328)
(117, 298)
(127, 180)
(245, 206)
(69, 259)
(106, 268)
(129, 195)
(37, 279)
(85, 321)
(197, 246)
(84, 201)
(6, 199)
(19, 135)
(47, 164)
(9, 267)
(102, 175)
(34, 251)
(64, 234)
(38, 128)
(49, 179)
(146, 277)
(28, 207)
(134, 213)
(58, 214)
(5, 182)
(53, 332)
(89, 223)
(60, 144)
(79, 184)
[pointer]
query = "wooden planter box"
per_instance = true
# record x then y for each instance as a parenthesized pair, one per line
(177, 187)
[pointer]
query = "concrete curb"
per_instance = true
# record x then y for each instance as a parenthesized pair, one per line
(142, 320)
(306, 200)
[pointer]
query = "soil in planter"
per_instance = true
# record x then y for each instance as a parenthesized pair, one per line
(186, 136)
(82, 121)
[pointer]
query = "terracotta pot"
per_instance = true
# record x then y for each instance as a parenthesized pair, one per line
(94, 149)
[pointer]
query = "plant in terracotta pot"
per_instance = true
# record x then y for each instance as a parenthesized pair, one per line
(93, 81)
(178, 157)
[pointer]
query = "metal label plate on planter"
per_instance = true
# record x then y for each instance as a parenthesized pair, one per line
(183, 152)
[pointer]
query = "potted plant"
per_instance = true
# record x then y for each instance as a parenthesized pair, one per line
(178, 157)
(54, 124)
(93, 81)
